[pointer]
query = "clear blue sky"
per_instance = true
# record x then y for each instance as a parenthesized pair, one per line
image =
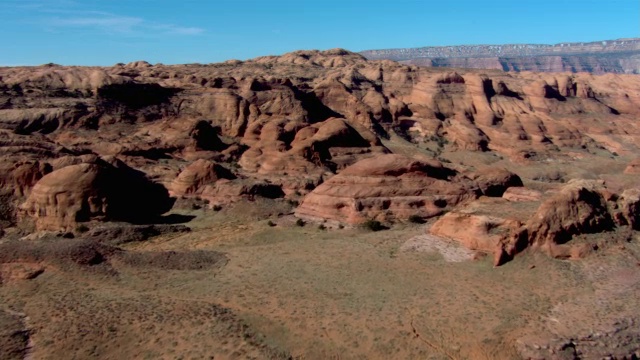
(104, 32)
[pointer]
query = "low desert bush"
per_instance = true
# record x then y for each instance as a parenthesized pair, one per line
(373, 225)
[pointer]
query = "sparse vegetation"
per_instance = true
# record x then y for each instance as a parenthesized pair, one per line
(7, 209)
(416, 219)
(373, 225)
(300, 222)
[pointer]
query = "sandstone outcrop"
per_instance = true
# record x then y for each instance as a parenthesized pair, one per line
(289, 124)
(521, 194)
(490, 225)
(104, 190)
(494, 182)
(506, 227)
(197, 175)
(288, 147)
(386, 187)
(576, 209)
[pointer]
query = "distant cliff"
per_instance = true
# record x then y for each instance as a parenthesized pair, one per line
(609, 56)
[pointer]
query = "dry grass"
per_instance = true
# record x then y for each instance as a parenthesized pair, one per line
(294, 291)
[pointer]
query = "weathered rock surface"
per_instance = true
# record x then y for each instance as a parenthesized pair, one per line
(197, 175)
(392, 187)
(94, 191)
(284, 125)
(633, 167)
(521, 194)
(576, 209)
(626, 211)
(506, 227)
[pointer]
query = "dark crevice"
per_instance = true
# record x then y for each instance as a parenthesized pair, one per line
(316, 110)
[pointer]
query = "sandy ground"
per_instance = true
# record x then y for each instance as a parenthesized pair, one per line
(450, 250)
(308, 293)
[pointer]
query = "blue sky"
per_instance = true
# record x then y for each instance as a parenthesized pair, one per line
(93, 32)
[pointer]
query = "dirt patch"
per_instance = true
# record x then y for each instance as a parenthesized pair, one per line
(450, 251)
(602, 323)
(118, 234)
(59, 251)
(14, 337)
(174, 260)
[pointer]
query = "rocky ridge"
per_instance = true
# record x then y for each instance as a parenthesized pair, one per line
(97, 144)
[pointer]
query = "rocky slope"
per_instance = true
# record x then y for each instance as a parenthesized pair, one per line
(611, 56)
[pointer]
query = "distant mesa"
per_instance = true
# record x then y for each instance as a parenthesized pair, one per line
(608, 56)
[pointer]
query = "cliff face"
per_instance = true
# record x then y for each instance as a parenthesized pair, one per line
(617, 56)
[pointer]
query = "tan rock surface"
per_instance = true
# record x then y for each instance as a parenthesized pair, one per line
(521, 194)
(386, 188)
(506, 227)
(198, 174)
(633, 167)
(578, 208)
(104, 190)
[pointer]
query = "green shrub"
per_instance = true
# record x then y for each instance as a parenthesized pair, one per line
(322, 227)
(271, 223)
(373, 225)
(300, 222)
(416, 219)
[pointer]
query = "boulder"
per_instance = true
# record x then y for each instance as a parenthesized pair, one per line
(494, 182)
(627, 209)
(198, 174)
(577, 208)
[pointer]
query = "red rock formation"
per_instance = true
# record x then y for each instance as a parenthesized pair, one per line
(104, 190)
(387, 188)
(197, 175)
(578, 208)
(505, 229)
(627, 209)
(294, 121)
